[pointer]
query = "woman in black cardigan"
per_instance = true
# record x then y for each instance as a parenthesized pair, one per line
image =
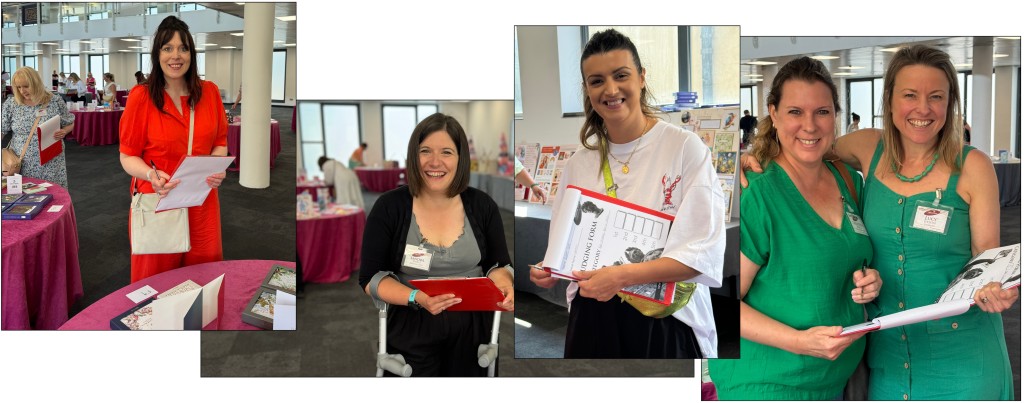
(436, 226)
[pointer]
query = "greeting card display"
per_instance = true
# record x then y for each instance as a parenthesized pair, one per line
(186, 306)
(260, 310)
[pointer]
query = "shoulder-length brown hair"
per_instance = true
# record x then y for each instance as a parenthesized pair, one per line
(951, 136)
(766, 142)
(164, 33)
(593, 125)
(426, 127)
(35, 86)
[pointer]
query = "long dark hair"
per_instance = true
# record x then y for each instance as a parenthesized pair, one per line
(164, 34)
(603, 42)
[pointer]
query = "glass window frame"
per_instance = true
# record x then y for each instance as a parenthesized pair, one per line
(384, 130)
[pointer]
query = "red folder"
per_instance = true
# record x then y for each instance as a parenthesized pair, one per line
(477, 293)
(50, 152)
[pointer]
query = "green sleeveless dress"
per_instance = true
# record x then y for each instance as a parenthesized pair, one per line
(957, 358)
(805, 280)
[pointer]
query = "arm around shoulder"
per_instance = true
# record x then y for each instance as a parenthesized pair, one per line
(856, 148)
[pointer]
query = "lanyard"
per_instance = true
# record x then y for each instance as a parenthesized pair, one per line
(609, 185)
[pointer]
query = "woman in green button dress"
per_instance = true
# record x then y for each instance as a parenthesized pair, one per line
(802, 249)
(919, 157)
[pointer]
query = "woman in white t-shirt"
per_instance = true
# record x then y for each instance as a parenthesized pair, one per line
(659, 166)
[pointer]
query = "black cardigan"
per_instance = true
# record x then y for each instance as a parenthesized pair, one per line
(388, 225)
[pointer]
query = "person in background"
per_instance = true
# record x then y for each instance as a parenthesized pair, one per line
(140, 78)
(748, 124)
(55, 80)
(20, 113)
(90, 84)
(967, 133)
(437, 213)
(523, 177)
(109, 89)
(854, 123)
(76, 88)
(154, 137)
(238, 99)
(347, 189)
(356, 159)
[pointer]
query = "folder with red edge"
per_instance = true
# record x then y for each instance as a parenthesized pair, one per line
(53, 150)
(477, 293)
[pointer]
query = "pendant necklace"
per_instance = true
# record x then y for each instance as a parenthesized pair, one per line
(625, 165)
(919, 176)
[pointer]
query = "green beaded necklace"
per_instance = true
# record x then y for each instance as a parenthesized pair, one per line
(920, 175)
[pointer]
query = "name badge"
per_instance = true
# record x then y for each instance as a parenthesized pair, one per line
(933, 218)
(41, 113)
(857, 223)
(416, 258)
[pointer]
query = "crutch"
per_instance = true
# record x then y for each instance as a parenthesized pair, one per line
(487, 354)
(393, 363)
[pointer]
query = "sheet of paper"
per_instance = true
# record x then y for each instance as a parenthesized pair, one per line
(138, 295)
(192, 190)
(56, 209)
(211, 293)
(284, 311)
(1000, 265)
(47, 129)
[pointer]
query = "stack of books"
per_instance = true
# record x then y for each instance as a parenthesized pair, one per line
(686, 100)
(24, 206)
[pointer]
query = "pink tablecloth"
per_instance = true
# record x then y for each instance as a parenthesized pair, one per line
(241, 280)
(294, 108)
(122, 97)
(234, 143)
(312, 190)
(379, 179)
(41, 277)
(329, 246)
(96, 128)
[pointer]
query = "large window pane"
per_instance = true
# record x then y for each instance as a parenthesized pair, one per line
(277, 76)
(98, 66)
(879, 87)
(312, 135)
(519, 90)
(714, 65)
(30, 61)
(860, 103)
(342, 134)
(201, 64)
(398, 124)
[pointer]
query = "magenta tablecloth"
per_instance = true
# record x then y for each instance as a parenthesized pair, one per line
(122, 97)
(329, 246)
(97, 128)
(312, 190)
(241, 280)
(294, 108)
(41, 277)
(379, 179)
(234, 143)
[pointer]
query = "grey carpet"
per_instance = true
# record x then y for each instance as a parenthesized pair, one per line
(255, 223)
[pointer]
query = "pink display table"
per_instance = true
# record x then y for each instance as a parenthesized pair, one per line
(234, 143)
(329, 246)
(122, 97)
(294, 108)
(312, 188)
(97, 128)
(41, 277)
(379, 180)
(241, 280)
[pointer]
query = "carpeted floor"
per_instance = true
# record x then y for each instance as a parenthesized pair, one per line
(255, 223)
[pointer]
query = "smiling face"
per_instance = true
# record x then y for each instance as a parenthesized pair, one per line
(920, 99)
(438, 161)
(613, 85)
(805, 121)
(175, 58)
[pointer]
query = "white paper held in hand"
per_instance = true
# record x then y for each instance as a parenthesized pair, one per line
(46, 130)
(192, 190)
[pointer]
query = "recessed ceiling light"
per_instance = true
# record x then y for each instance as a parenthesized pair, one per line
(237, 33)
(62, 50)
(90, 42)
(13, 46)
(757, 80)
(135, 47)
(124, 50)
(963, 65)
(290, 45)
(131, 40)
(1011, 38)
(761, 63)
(278, 41)
(892, 50)
(842, 73)
(49, 43)
(229, 47)
(823, 57)
(287, 18)
(753, 75)
(210, 44)
(241, 4)
(999, 55)
(851, 67)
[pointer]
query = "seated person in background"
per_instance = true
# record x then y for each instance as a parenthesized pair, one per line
(346, 184)
(356, 160)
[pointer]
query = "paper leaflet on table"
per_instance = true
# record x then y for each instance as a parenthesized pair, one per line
(1000, 265)
(183, 307)
(49, 147)
(591, 231)
(192, 190)
(284, 311)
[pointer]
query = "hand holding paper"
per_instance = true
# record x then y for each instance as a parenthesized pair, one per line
(824, 342)
(993, 298)
(601, 284)
(194, 174)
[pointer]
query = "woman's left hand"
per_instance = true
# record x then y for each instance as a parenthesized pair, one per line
(215, 180)
(994, 299)
(867, 286)
(60, 134)
(601, 284)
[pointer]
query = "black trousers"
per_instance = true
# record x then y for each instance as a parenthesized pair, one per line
(615, 329)
(441, 345)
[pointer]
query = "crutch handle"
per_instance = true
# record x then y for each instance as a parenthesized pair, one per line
(395, 364)
(486, 354)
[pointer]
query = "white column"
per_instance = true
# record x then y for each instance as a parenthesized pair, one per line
(981, 95)
(1004, 106)
(257, 58)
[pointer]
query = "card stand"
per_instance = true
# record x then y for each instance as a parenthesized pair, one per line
(262, 302)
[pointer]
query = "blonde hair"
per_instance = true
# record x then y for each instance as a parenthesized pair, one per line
(35, 86)
(951, 136)
(74, 76)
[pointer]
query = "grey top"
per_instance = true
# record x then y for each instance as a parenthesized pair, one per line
(461, 259)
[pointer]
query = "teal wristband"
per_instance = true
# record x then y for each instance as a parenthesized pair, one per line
(412, 299)
(534, 185)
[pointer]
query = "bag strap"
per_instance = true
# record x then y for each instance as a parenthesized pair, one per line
(846, 178)
(31, 132)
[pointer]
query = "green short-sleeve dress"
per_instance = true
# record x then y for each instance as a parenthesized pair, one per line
(805, 280)
(956, 358)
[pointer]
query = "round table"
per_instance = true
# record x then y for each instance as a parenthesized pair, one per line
(379, 180)
(122, 97)
(329, 246)
(241, 280)
(312, 189)
(97, 128)
(41, 276)
(234, 143)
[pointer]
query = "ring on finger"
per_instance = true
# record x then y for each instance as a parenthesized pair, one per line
(984, 300)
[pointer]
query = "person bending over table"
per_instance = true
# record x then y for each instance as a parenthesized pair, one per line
(19, 115)
(154, 137)
(356, 159)
(462, 230)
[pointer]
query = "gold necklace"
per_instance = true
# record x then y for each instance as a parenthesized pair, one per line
(625, 165)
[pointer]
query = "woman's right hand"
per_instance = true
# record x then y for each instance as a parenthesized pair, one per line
(825, 342)
(748, 161)
(162, 183)
(542, 278)
(438, 304)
